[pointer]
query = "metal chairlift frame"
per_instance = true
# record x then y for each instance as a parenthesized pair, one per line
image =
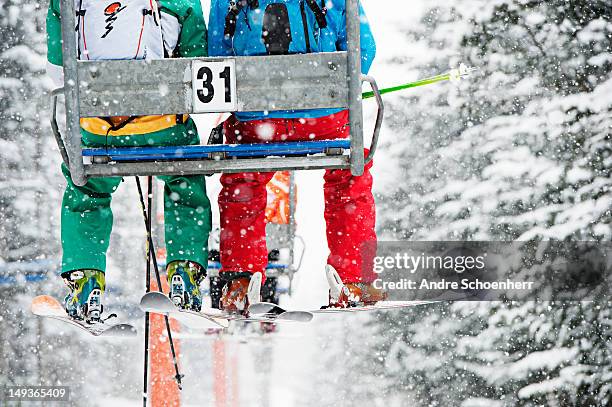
(283, 236)
(263, 83)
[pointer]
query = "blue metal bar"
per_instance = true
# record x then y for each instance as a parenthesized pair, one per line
(33, 271)
(279, 290)
(232, 150)
(27, 278)
(215, 265)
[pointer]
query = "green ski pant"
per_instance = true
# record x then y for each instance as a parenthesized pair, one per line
(87, 218)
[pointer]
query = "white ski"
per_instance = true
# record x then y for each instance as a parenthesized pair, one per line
(159, 303)
(336, 288)
(48, 307)
(273, 309)
(210, 318)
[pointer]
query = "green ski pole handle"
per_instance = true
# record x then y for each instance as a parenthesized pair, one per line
(453, 75)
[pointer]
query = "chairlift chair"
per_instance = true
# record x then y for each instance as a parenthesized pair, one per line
(175, 86)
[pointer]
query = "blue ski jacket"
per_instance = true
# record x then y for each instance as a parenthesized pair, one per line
(249, 43)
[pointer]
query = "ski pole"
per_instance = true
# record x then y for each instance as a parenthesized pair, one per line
(145, 392)
(453, 75)
(153, 258)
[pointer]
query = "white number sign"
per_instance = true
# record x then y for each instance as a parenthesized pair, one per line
(214, 86)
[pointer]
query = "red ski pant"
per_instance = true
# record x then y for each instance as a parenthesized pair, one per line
(349, 203)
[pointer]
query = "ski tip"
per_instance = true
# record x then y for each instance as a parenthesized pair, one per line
(45, 305)
(254, 289)
(334, 281)
(156, 302)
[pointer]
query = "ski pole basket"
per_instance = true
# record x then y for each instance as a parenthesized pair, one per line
(204, 85)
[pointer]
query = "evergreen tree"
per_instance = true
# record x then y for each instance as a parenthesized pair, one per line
(520, 151)
(28, 177)
(34, 351)
(28, 187)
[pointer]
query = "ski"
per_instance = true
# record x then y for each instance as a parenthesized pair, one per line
(380, 306)
(48, 307)
(336, 287)
(273, 309)
(210, 318)
(159, 303)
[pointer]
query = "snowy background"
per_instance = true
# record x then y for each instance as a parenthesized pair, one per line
(520, 151)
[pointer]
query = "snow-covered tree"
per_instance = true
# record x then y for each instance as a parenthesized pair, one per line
(521, 151)
(29, 181)
(31, 186)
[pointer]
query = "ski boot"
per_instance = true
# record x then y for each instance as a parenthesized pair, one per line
(349, 295)
(184, 278)
(240, 290)
(84, 301)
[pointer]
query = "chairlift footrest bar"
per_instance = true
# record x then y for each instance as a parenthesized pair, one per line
(215, 265)
(219, 151)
